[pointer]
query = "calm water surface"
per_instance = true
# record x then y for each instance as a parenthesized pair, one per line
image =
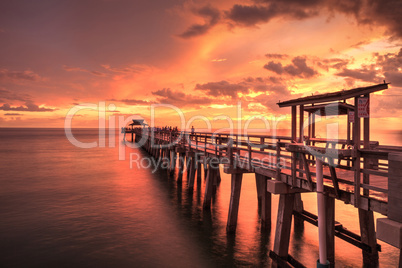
(64, 206)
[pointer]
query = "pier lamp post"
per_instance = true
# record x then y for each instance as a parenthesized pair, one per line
(322, 239)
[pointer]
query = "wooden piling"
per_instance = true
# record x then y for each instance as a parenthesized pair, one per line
(330, 222)
(368, 236)
(172, 161)
(283, 224)
(258, 184)
(234, 202)
(181, 167)
(264, 198)
(298, 206)
(192, 169)
(211, 173)
(198, 171)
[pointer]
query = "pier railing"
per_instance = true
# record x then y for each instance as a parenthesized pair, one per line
(280, 158)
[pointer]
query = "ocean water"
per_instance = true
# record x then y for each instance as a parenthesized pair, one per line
(65, 206)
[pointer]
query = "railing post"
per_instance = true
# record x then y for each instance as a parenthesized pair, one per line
(230, 152)
(262, 141)
(249, 153)
(278, 160)
(205, 146)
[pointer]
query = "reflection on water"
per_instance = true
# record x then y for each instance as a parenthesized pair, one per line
(63, 206)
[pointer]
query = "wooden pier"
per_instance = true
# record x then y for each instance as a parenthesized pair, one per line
(356, 171)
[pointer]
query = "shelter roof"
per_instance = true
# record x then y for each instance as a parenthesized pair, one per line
(334, 96)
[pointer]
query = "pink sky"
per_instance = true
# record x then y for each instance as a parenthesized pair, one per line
(201, 56)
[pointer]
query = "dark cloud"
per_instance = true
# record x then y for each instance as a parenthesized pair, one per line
(360, 44)
(256, 14)
(384, 67)
(370, 12)
(275, 67)
(29, 107)
(211, 16)
(298, 68)
(97, 73)
(250, 15)
(12, 114)
(178, 98)
(390, 62)
(380, 12)
(78, 69)
(364, 74)
(394, 77)
(136, 68)
(16, 75)
(131, 101)
(276, 56)
(270, 89)
(334, 63)
(222, 88)
(14, 96)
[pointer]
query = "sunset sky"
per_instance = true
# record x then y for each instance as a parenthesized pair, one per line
(202, 56)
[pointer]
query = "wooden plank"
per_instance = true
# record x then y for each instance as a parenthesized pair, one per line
(283, 224)
(374, 172)
(234, 202)
(374, 188)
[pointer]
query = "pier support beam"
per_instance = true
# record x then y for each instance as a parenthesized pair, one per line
(368, 236)
(205, 165)
(283, 224)
(192, 168)
(172, 162)
(181, 167)
(264, 200)
(217, 180)
(330, 230)
(234, 202)
(198, 171)
(298, 206)
(212, 164)
(322, 221)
